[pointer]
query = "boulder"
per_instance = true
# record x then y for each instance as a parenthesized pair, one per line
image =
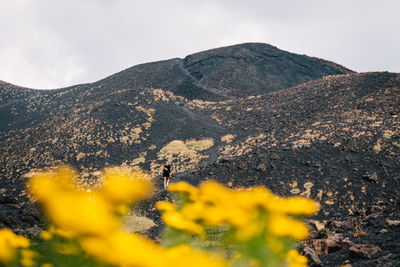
(391, 223)
(331, 244)
(374, 210)
(261, 167)
(371, 177)
(346, 243)
(334, 242)
(340, 226)
(312, 256)
(363, 251)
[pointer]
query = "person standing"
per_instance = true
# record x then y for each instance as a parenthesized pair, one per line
(166, 174)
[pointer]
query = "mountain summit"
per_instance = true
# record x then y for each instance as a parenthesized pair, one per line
(229, 72)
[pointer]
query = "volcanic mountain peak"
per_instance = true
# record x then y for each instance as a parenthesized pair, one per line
(227, 72)
(217, 74)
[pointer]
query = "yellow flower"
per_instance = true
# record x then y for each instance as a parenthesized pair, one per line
(74, 212)
(300, 206)
(254, 262)
(122, 209)
(46, 235)
(275, 244)
(67, 248)
(68, 234)
(195, 211)
(292, 205)
(6, 251)
(295, 259)
(212, 216)
(9, 242)
(254, 197)
(213, 192)
(183, 187)
(282, 225)
(124, 185)
(176, 220)
(249, 231)
(184, 255)
(27, 257)
(165, 206)
(124, 249)
(44, 185)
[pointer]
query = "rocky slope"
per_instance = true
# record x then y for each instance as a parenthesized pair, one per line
(336, 140)
(244, 115)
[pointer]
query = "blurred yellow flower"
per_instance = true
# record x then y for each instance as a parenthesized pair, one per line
(254, 197)
(213, 192)
(282, 225)
(292, 205)
(87, 212)
(124, 249)
(275, 244)
(45, 184)
(46, 235)
(67, 248)
(92, 218)
(124, 185)
(122, 209)
(9, 242)
(194, 211)
(184, 255)
(27, 257)
(165, 206)
(176, 220)
(242, 209)
(68, 234)
(300, 206)
(183, 187)
(74, 212)
(295, 259)
(249, 231)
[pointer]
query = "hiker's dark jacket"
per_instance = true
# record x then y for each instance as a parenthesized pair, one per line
(166, 170)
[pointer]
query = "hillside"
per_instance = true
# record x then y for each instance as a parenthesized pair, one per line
(244, 115)
(336, 140)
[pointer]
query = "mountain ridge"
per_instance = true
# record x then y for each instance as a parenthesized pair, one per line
(182, 75)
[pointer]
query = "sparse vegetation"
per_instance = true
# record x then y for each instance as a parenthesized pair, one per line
(184, 154)
(228, 138)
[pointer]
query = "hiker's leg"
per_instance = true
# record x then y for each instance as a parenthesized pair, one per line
(165, 182)
(168, 180)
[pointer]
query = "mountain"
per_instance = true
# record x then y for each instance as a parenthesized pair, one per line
(244, 115)
(227, 72)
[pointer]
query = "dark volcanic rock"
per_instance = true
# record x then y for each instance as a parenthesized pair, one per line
(226, 70)
(392, 223)
(363, 251)
(372, 177)
(313, 258)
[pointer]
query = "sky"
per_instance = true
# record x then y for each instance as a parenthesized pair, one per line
(46, 44)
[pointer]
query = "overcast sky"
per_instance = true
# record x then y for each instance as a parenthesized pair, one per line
(58, 43)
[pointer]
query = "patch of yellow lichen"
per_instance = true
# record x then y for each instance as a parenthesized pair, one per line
(228, 138)
(183, 155)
